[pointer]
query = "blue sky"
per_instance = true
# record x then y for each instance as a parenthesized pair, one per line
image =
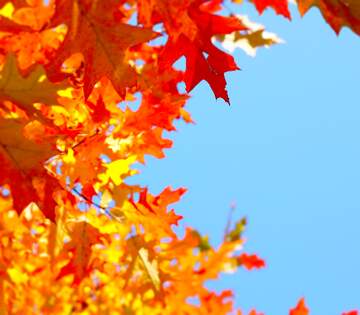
(287, 152)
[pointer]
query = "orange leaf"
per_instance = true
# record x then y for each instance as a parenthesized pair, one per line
(250, 261)
(83, 236)
(300, 309)
(24, 91)
(97, 33)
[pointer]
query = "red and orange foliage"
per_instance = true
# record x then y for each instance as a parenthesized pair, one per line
(87, 90)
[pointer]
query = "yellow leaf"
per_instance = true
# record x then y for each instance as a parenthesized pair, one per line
(69, 157)
(25, 91)
(249, 40)
(17, 276)
(150, 267)
(118, 170)
(7, 10)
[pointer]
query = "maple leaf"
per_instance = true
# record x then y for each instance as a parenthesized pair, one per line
(22, 166)
(300, 309)
(351, 313)
(95, 31)
(338, 13)
(24, 91)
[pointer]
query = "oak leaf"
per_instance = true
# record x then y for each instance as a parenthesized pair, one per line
(24, 91)
(22, 166)
(250, 261)
(154, 209)
(190, 28)
(300, 308)
(280, 6)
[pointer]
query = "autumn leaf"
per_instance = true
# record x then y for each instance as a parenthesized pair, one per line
(150, 267)
(279, 6)
(34, 13)
(249, 40)
(99, 112)
(191, 37)
(96, 31)
(203, 241)
(141, 251)
(83, 236)
(338, 13)
(22, 166)
(24, 91)
(155, 208)
(220, 303)
(300, 309)
(14, 4)
(6, 22)
(250, 261)
(236, 232)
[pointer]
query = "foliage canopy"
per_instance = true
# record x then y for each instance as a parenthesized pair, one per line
(75, 237)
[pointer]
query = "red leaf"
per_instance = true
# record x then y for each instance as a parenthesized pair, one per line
(250, 261)
(280, 6)
(22, 167)
(190, 28)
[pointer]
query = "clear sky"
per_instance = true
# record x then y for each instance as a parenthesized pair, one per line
(288, 152)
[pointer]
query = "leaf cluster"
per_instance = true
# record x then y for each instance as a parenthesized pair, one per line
(88, 89)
